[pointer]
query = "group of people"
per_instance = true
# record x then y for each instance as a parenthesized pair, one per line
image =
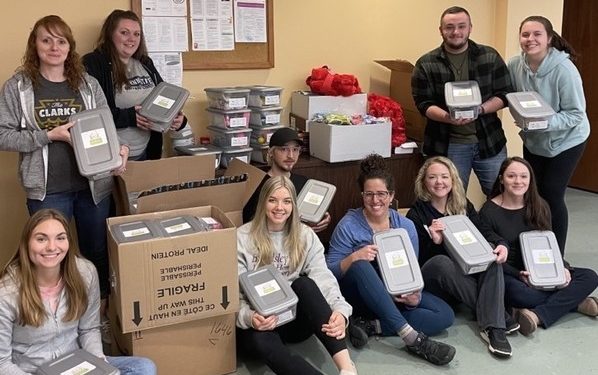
(52, 299)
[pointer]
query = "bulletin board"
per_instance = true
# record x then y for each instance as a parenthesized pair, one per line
(244, 56)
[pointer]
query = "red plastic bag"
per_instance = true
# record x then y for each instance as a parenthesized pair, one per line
(325, 82)
(383, 106)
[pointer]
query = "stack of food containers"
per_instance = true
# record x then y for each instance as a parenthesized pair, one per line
(264, 102)
(229, 122)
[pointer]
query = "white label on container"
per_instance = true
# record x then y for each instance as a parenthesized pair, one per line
(236, 103)
(271, 99)
(313, 198)
(273, 119)
(243, 159)
(136, 232)
(236, 122)
(464, 114)
(177, 228)
(534, 125)
(164, 102)
(209, 220)
(396, 259)
(462, 92)
(285, 317)
(530, 104)
(94, 138)
(465, 237)
(81, 369)
(238, 141)
(268, 136)
(543, 256)
(266, 288)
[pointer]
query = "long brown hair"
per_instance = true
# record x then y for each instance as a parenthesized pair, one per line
(106, 45)
(260, 234)
(456, 203)
(556, 41)
(21, 270)
(73, 68)
(537, 212)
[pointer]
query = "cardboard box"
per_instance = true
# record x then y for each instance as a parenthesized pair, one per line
(306, 104)
(335, 143)
(201, 347)
(145, 175)
(400, 90)
(297, 122)
(168, 280)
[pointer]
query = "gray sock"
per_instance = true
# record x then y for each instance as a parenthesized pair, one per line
(408, 334)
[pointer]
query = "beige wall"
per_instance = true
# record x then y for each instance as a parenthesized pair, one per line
(346, 35)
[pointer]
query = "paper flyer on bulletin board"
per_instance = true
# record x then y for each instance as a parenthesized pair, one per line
(212, 25)
(176, 8)
(170, 66)
(166, 34)
(250, 21)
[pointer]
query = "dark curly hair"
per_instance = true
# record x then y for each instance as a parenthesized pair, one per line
(374, 166)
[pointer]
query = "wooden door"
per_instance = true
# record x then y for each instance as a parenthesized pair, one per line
(581, 30)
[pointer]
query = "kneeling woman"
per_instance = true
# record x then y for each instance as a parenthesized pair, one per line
(276, 236)
(50, 302)
(516, 206)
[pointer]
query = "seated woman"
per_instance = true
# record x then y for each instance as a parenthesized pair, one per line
(439, 193)
(50, 301)
(351, 258)
(276, 236)
(516, 206)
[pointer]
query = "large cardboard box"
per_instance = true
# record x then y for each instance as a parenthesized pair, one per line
(145, 175)
(400, 90)
(336, 143)
(306, 104)
(200, 347)
(168, 280)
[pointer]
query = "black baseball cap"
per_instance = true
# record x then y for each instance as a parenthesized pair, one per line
(284, 135)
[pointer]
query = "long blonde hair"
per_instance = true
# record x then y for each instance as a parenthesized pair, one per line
(456, 203)
(260, 234)
(21, 270)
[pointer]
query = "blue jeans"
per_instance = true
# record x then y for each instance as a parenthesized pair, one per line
(133, 365)
(550, 306)
(364, 290)
(467, 157)
(90, 220)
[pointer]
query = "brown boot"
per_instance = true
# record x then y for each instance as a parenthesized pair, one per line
(528, 320)
(588, 306)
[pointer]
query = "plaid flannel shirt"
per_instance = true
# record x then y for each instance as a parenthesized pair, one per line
(432, 71)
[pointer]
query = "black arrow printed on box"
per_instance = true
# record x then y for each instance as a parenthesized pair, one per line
(136, 314)
(225, 301)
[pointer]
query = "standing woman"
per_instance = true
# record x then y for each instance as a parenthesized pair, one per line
(351, 258)
(127, 75)
(515, 206)
(276, 236)
(545, 66)
(50, 302)
(35, 106)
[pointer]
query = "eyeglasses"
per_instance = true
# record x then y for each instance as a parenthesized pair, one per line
(369, 195)
(289, 149)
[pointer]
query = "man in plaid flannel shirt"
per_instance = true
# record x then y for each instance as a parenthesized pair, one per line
(471, 144)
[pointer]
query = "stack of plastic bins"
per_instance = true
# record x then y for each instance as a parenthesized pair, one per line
(229, 121)
(201, 150)
(463, 99)
(264, 102)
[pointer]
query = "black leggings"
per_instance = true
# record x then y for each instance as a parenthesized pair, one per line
(269, 346)
(552, 176)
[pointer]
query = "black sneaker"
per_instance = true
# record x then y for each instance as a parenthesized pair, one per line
(432, 351)
(512, 325)
(497, 341)
(360, 329)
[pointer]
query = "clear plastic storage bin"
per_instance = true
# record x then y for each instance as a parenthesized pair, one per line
(269, 293)
(77, 362)
(243, 154)
(139, 230)
(529, 110)
(463, 99)
(227, 97)
(314, 199)
(201, 150)
(163, 104)
(259, 153)
(542, 259)
(466, 245)
(265, 116)
(95, 143)
(178, 226)
(227, 138)
(229, 119)
(261, 134)
(397, 262)
(264, 96)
